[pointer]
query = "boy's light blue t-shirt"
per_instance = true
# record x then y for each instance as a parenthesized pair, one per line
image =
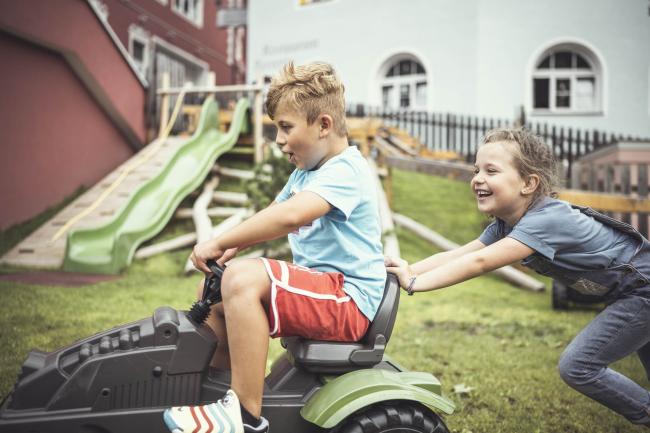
(566, 236)
(348, 238)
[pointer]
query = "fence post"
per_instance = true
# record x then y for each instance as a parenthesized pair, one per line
(569, 156)
(642, 188)
(258, 138)
(625, 188)
(164, 105)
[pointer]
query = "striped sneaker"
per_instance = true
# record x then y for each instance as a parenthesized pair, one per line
(224, 416)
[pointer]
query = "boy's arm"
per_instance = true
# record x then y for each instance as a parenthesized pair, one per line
(272, 222)
(503, 252)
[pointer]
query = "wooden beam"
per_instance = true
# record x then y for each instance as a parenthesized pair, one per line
(202, 221)
(605, 202)
(235, 173)
(229, 197)
(214, 212)
(189, 239)
(391, 244)
(386, 148)
(453, 170)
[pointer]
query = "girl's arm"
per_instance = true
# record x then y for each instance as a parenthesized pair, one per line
(475, 263)
(446, 256)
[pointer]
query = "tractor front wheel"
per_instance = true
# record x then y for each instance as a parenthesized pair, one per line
(394, 417)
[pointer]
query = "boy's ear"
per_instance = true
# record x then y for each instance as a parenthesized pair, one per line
(325, 123)
(532, 182)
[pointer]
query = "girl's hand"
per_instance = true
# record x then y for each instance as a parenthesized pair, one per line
(401, 268)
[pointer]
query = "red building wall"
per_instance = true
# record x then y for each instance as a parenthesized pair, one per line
(208, 43)
(54, 136)
(72, 108)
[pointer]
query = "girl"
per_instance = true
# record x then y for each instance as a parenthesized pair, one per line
(594, 254)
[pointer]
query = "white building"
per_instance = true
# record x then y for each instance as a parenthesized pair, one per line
(579, 63)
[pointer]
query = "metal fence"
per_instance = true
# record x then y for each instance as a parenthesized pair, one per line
(462, 134)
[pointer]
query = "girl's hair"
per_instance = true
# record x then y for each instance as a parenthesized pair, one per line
(531, 156)
(311, 90)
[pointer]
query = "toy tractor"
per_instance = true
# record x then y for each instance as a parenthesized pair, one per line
(122, 380)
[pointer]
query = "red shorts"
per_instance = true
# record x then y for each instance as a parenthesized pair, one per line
(311, 304)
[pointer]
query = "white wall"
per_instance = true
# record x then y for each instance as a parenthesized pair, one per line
(512, 32)
(477, 53)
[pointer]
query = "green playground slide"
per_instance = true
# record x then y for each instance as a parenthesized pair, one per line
(110, 248)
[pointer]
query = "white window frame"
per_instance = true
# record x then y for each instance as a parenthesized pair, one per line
(198, 19)
(137, 33)
(187, 57)
(573, 75)
(397, 81)
(162, 2)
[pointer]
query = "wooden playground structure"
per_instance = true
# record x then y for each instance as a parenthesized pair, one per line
(386, 148)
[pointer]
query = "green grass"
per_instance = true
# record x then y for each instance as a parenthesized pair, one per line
(501, 341)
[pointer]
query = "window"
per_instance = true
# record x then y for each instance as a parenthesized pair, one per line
(566, 80)
(138, 47)
(191, 10)
(404, 85)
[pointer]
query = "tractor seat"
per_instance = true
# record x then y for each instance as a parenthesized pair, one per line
(335, 357)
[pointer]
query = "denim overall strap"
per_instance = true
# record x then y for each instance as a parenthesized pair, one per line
(609, 283)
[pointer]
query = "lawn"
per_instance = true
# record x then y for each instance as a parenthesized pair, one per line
(501, 342)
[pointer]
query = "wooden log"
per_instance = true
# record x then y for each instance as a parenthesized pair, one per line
(229, 197)
(452, 170)
(405, 148)
(508, 273)
(190, 238)
(166, 246)
(235, 173)
(202, 221)
(391, 244)
(386, 148)
(214, 212)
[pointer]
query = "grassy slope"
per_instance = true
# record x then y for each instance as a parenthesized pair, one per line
(501, 341)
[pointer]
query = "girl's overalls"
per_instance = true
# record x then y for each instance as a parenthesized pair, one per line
(621, 328)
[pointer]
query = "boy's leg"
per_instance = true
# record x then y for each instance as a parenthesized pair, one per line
(217, 322)
(619, 330)
(246, 291)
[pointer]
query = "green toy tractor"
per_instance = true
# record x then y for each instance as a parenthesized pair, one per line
(121, 380)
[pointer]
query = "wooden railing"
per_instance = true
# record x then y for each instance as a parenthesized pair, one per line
(258, 105)
(621, 195)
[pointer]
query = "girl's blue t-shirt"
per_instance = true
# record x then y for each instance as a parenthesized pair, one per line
(348, 238)
(566, 236)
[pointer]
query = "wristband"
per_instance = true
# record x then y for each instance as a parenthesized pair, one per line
(409, 289)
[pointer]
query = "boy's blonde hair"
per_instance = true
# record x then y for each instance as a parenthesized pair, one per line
(531, 156)
(310, 89)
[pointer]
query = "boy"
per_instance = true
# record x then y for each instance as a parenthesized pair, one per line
(329, 210)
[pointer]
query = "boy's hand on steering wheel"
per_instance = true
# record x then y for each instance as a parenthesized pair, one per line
(207, 250)
(401, 268)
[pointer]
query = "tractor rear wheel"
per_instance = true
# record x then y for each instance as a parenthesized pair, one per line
(394, 417)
